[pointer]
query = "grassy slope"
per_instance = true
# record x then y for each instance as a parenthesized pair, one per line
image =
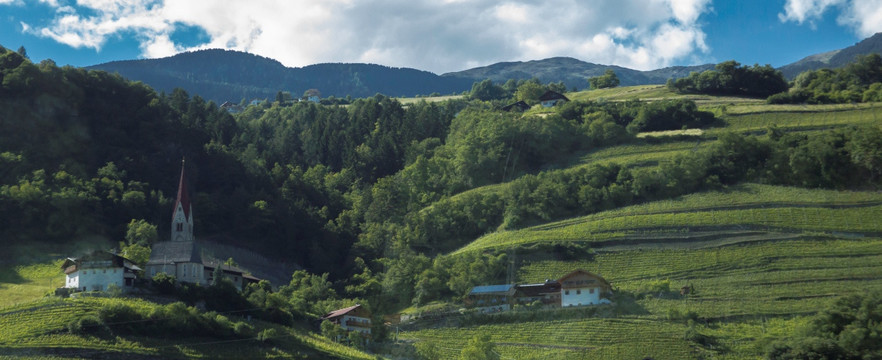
(39, 328)
(34, 327)
(761, 258)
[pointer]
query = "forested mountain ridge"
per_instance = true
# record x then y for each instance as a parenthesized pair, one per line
(572, 72)
(225, 75)
(834, 58)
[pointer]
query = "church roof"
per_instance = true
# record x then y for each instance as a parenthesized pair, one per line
(183, 195)
(169, 252)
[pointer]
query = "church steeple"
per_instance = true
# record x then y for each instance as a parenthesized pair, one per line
(182, 217)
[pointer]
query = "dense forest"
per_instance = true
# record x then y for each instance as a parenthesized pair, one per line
(372, 194)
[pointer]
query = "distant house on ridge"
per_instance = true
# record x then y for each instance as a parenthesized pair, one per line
(518, 106)
(552, 98)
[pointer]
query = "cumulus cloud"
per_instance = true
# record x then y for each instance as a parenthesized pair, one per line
(439, 36)
(863, 16)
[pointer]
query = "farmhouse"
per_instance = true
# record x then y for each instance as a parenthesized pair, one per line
(99, 270)
(491, 298)
(551, 98)
(581, 287)
(578, 288)
(353, 318)
(548, 293)
(519, 106)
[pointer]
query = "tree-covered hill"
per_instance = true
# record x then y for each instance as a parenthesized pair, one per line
(572, 72)
(835, 58)
(223, 75)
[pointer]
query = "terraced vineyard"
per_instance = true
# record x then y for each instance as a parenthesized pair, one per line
(745, 207)
(591, 338)
(760, 118)
(760, 259)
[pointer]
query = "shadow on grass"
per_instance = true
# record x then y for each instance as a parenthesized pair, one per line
(10, 276)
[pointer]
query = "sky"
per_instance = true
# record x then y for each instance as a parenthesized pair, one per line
(440, 35)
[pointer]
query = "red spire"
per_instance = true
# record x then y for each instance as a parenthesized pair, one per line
(183, 196)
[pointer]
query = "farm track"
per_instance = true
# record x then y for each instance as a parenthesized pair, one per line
(692, 240)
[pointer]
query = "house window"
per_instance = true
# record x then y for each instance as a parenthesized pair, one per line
(578, 292)
(180, 227)
(566, 292)
(591, 291)
(104, 271)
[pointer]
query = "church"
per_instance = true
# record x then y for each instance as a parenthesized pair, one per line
(181, 256)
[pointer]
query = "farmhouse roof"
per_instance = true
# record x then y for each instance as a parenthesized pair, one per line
(170, 252)
(549, 286)
(491, 289)
(552, 95)
(520, 106)
(340, 312)
(564, 282)
(71, 264)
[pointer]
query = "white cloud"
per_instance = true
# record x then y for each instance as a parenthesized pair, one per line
(438, 36)
(863, 16)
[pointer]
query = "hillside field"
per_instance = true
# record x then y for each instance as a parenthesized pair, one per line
(761, 259)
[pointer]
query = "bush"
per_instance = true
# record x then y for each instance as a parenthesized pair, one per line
(88, 325)
(266, 335)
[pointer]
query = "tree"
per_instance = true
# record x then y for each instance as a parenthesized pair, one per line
(607, 80)
(479, 348)
(139, 254)
(141, 232)
(24, 53)
(486, 91)
(530, 91)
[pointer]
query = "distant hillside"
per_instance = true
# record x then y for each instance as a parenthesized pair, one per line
(835, 58)
(573, 72)
(224, 75)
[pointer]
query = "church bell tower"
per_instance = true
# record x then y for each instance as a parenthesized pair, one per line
(182, 218)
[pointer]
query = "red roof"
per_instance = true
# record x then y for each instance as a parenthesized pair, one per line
(340, 312)
(183, 196)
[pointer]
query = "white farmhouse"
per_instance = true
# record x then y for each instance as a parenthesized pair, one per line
(581, 287)
(97, 271)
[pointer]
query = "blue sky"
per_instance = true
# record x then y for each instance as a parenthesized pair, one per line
(441, 35)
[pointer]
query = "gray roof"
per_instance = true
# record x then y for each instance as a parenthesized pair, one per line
(491, 289)
(170, 252)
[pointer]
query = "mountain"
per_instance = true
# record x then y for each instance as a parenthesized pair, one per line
(573, 72)
(835, 58)
(225, 75)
